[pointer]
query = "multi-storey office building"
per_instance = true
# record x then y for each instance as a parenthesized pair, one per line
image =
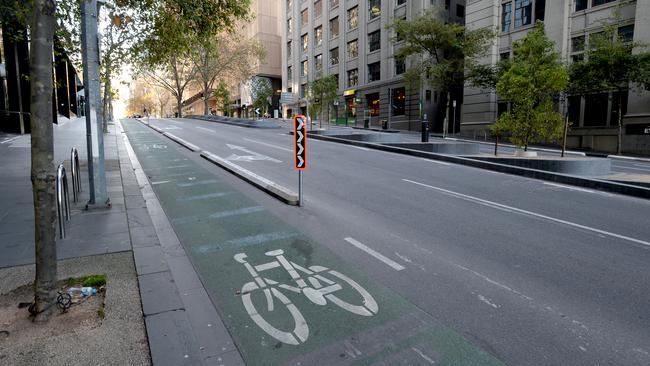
(350, 40)
(570, 24)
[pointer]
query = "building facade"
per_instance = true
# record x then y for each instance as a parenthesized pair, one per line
(350, 40)
(570, 24)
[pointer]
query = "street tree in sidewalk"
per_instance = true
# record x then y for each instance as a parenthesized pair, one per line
(321, 93)
(42, 156)
(261, 93)
(532, 83)
(226, 56)
(176, 29)
(441, 53)
(222, 96)
(611, 65)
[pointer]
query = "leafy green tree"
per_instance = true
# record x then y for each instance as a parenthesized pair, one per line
(222, 95)
(611, 66)
(441, 53)
(261, 93)
(321, 93)
(532, 82)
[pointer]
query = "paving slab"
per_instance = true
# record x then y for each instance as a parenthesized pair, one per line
(171, 339)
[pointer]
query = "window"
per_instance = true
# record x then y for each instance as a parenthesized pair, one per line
(577, 57)
(374, 71)
(289, 25)
(353, 17)
(626, 33)
(523, 12)
(400, 67)
(581, 5)
(318, 62)
(304, 16)
(460, 11)
(289, 73)
(600, 2)
(578, 44)
(318, 35)
(374, 41)
(596, 110)
(334, 27)
(447, 4)
(289, 49)
(504, 56)
(318, 8)
(399, 102)
(303, 89)
(305, 42)
(334, 56)
(334, 3)
(400, 2)
(374, 9)
(506, 17)
(304, 68)
(373, 104)
(353, 77)
(540, 9)
(353, 49)
(336, 78)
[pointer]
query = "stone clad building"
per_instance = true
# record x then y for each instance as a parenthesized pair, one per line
(570, 24)
(350, 39)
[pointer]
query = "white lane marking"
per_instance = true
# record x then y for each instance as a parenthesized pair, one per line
(498, 284)
(205, 129)
(9, 139)
(391, 263)
(161, 182)
(269, 145)
(403, 257)
(437, 162)
(358, 147)
(569, 187)
(534, 214)
(487, 301)
(425, 357)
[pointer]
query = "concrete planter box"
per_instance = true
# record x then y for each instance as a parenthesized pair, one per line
(379, 138)
(591, 167)
(452, 148)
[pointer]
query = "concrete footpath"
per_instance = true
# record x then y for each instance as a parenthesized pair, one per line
(182, 326)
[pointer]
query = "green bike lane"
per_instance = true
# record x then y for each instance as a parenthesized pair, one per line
(215, 223)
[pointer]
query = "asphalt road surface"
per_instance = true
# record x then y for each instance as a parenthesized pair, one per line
(531, 272)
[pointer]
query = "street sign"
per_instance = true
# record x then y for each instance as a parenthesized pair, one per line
(300, 142)
(257, 111)
(287, 98)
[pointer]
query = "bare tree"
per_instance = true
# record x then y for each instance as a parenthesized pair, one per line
(226, 56)
(43, 171)
(175, 75)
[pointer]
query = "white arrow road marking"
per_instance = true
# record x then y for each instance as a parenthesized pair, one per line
(252, 157)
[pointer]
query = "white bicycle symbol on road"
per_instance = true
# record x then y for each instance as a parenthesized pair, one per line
(319, 290)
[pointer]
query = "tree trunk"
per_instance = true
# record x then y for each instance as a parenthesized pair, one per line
(179, 105)
(205, 99)
(42, 152)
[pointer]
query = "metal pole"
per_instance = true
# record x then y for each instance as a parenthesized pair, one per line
(90, 54)
(566, 127)
(300, 199)
(20, 94)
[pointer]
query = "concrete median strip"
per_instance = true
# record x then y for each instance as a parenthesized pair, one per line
(283, 194)
(182, 142)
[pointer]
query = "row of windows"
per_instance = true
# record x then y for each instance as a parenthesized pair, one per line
(626, 33)
(374, 69)
(374, 43)
(374, 11)
(583, 4)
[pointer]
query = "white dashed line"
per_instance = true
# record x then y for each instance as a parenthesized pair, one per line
(391, 263)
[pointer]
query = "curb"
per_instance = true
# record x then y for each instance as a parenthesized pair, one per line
(231, 123)
(599, 184)
(283, 194)
(628, 158)
(182, 142)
